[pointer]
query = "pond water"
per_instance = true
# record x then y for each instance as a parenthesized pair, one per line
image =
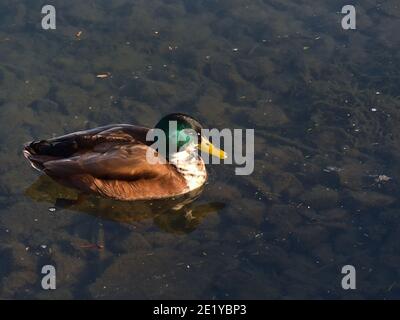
(324, 103)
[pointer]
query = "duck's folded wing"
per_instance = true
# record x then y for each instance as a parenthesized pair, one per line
(125, 162)
(66, 146)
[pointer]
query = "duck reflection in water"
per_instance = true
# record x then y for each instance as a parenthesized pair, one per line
(176, 215)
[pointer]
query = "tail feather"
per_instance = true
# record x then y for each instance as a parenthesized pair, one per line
(39, 152)
(57, 148)
(31, 156)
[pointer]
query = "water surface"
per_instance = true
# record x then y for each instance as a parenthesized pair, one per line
(324, 103)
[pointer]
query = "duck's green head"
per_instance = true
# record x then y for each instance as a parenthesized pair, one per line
(183, 132)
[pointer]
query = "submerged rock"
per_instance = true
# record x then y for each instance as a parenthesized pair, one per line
(161, 274)
(320, 197)
(372, 199)
(44, 105)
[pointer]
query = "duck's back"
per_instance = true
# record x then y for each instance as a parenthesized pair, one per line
(40, 151)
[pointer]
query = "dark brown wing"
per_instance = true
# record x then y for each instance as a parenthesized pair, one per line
(105, 161)
(118, 133)
(67, 145)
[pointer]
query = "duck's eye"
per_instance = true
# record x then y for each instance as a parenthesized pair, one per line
(191, 133)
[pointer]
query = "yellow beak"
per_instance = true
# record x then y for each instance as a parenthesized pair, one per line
(207, 147)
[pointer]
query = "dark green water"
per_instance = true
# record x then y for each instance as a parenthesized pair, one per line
(324, 103)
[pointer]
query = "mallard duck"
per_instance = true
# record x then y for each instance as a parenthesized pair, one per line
(112, 160)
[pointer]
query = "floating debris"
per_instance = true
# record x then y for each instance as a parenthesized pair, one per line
(103, 75)
(91, 246)
(382, 178)
(332, 169)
